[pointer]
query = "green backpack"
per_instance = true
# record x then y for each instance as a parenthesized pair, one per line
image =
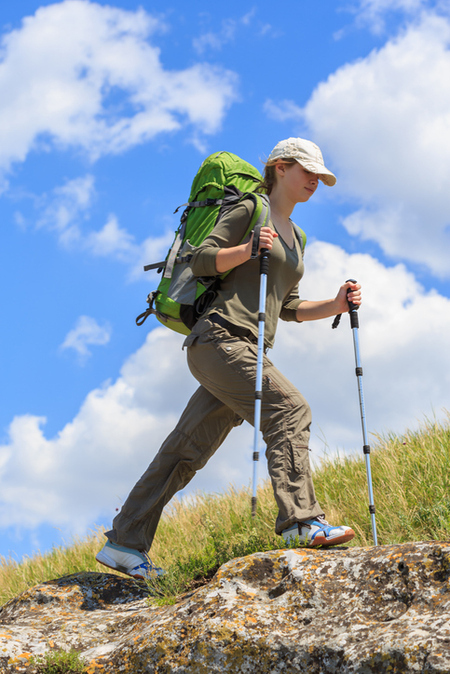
(222, 181)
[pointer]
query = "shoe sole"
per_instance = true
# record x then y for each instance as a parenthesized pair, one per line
(111, 564)
(321, 540)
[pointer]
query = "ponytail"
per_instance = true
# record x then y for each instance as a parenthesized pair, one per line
(270, 177)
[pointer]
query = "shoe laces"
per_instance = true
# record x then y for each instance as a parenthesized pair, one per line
(151, 567)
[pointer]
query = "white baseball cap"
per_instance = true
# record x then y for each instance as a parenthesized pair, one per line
(307, 154)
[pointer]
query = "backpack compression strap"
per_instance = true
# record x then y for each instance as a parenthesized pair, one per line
(232, 196)
(200, 204)
(262, 212)
(168, 264)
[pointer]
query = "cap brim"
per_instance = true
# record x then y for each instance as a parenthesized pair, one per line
(320, 170)
(328, 179)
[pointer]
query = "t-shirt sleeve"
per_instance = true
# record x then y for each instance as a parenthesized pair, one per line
(228, 232)
(290, 305)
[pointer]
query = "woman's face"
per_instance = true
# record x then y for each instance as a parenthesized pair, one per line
(298, 183)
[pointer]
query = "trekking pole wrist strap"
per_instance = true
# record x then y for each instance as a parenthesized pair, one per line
(255, 244)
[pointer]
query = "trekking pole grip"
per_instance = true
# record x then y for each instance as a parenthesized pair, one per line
(264, 263)
(353, 308)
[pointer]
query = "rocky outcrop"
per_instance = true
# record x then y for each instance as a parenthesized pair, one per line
(337, 611)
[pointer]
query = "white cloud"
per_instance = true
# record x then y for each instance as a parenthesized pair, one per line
(118, 429)
(150, 251)
(372, 13)
(114, 435)
(81, 75)
(226, 34)
(87, 332)
(283, 111)
(383, 123)
(403, 337)
(116, 242)
(112, 240)
(66, 207)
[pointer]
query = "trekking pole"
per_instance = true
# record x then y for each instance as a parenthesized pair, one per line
(263, 270)
(354, 324)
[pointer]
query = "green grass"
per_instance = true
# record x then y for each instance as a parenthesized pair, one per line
(411, 480)
(59, 662)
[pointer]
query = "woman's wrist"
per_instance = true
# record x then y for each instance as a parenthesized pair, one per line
(228, 258)
(310, 310)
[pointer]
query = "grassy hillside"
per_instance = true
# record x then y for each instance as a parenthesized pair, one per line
(411, 482)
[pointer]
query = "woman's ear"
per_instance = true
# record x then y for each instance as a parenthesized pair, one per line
(280, 169)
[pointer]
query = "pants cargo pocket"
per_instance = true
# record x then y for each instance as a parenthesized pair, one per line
(274, 393)
(300, 459)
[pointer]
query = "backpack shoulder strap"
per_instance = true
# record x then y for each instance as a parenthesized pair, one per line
(301, 238)
(260, 218)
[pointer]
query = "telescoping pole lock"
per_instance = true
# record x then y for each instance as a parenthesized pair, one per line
(354, 324)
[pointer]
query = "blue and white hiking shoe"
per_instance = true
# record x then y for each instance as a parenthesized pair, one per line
(126, 560)
(317, 531)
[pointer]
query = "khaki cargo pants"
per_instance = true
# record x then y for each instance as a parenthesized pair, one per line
(225, 366)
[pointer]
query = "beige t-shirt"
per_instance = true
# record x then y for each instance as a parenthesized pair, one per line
(238, 296)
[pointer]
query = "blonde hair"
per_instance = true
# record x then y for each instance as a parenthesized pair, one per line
(270, 177)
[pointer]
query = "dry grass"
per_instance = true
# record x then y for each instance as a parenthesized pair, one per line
(411, 480)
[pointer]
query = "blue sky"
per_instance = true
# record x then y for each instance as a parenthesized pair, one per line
(107, 111)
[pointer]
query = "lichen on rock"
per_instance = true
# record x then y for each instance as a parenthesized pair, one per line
(336, 611)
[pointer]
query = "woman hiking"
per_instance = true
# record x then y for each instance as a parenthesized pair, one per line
(222, 356)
